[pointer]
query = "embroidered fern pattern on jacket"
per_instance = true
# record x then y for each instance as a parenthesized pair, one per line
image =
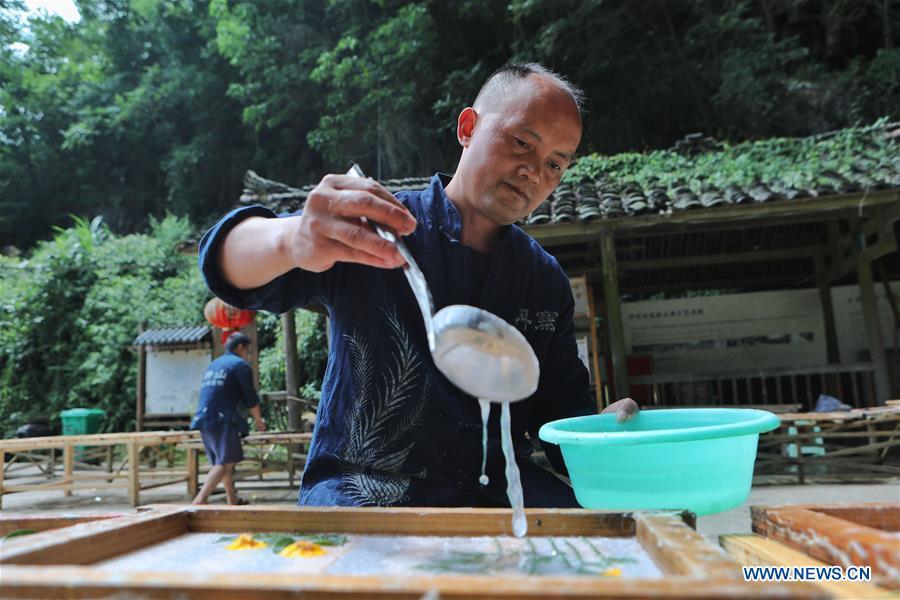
(382, 420)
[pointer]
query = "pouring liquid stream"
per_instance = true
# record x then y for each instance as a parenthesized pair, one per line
(485, 414)
(513, 483)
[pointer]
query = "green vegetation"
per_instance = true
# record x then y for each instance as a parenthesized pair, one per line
(857, 153)
(145, 107)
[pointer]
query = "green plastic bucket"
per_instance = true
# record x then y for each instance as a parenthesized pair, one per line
(695, 459)
(81, 421)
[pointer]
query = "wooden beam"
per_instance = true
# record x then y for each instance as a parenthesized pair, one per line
(134, 467)
(146, 438)
(679, 550)
(252, 330)
(886, 245)
(141, 385)
(873, 332)
(595, 346)
(39, 522)
(852, 249)
(614, 325)
(833, 540)
(753, 373)
(68, 465)
(831, 343)
(876, 514)
(88, 543)
(765, 281)
(720, 259)
(193, 472)
(407, 521)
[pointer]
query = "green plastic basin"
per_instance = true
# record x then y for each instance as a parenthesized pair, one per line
(692, 458)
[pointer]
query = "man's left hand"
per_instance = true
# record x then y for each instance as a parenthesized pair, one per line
(625, 409)
(260, 424)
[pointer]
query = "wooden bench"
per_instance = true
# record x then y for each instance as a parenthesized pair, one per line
(33, 465)
(878, 428)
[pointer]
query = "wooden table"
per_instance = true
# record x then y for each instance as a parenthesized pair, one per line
(142, 449)
(259, 458)
(877, 428)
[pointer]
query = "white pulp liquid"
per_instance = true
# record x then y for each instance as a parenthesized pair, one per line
(485, 413)
(513, 483)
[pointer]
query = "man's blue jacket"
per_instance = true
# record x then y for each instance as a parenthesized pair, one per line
(390, 429)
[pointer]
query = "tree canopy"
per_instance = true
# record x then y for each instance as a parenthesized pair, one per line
(149, 106)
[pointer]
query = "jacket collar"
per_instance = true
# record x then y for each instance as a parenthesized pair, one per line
(446, 217)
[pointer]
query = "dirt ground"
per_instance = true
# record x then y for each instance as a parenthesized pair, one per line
(733, 521)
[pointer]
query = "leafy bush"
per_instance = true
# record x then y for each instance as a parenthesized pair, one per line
(70, 312)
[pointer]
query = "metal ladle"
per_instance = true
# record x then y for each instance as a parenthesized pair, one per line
(476, 350)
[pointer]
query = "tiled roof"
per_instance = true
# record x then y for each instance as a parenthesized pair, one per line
(609, 197)
(285, 199)
(172, 336)
(590, 200)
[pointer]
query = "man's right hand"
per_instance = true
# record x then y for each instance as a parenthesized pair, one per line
(331, 229)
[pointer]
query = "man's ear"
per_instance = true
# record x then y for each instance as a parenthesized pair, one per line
(465, 126)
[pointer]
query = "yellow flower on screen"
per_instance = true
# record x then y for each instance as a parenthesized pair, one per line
(245, 541)
(302, 549)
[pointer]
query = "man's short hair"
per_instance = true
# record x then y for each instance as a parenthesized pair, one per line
(237, 339)
(503, 79)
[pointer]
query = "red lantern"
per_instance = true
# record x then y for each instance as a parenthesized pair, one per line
(226, 317)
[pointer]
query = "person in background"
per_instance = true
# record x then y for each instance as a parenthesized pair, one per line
(227, 386)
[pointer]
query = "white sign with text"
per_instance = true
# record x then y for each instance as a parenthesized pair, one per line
(739, 332)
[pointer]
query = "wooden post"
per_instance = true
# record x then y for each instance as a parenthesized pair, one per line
(109, 461)
(193, 469)
(831, 343)
(134, 463)
(252, 331)
(595, 348)
(614, 312)
(68, 466)
(291, 370)
(873, 329)
(218, 348)
(140, 401)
